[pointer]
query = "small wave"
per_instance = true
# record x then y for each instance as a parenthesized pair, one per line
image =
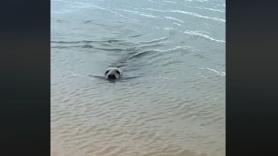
(177, 24)
(138, 13)
(198, 15)
(174, 19)
(170, 2)
(154, 41)
(152, 1)
(180, 48)
(146, 15)
(215, 71)
(188, 13)
(211, 9)
(72, 42)
(196, 33)
(137, 35)
(111, 49)
(168, 28)
(99, 45)
(130, 11)
(148, 46)
(81, 46)
(140, 54)
(87, 41)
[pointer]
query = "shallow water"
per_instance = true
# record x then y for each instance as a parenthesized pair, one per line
(176, 105)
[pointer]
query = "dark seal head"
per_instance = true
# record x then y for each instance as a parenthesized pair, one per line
(112, 73)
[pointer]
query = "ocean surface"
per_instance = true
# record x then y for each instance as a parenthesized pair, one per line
(176, 104)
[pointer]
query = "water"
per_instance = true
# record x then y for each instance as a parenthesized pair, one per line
(176, 105)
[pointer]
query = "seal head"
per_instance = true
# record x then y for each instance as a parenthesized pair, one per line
(112, 73)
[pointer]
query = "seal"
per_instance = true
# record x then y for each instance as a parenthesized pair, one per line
(113, 73)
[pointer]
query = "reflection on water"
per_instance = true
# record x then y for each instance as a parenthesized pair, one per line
(176, 104)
